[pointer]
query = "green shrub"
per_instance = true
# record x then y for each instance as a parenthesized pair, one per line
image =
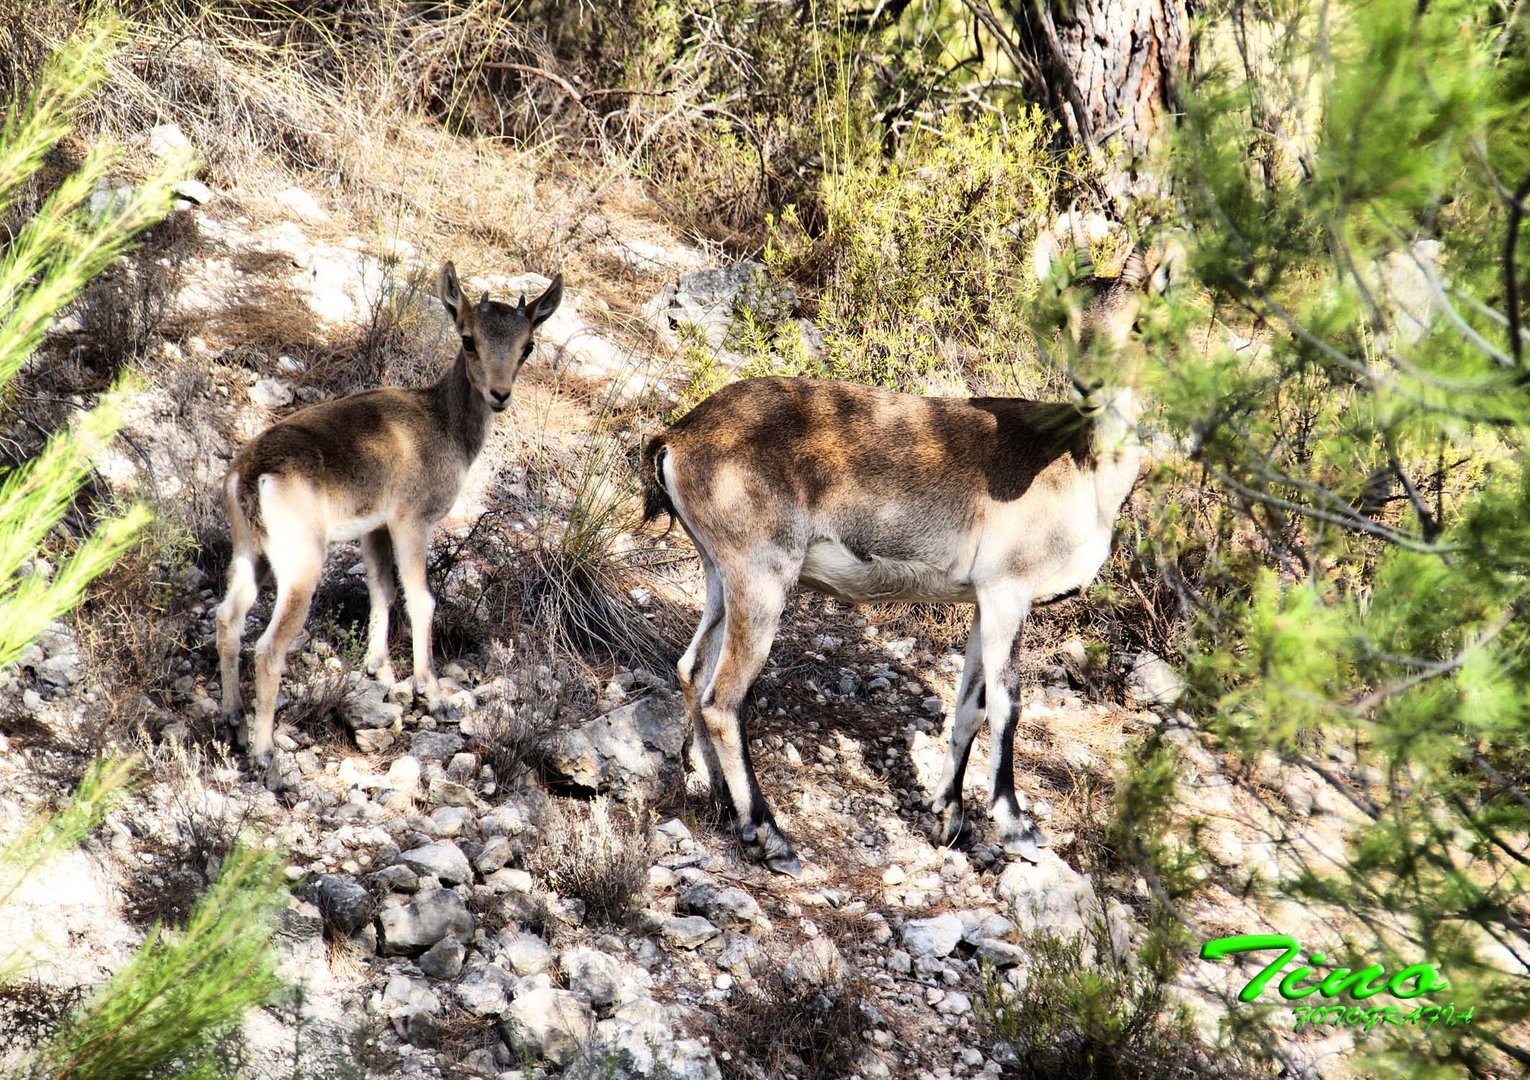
(166, 1011)
(57, 252)
(1088, 1011)
(922, 277)
(161, 1014)
(1360, 435)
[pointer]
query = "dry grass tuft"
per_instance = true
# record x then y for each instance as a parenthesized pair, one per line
(406, 341)
(31, 1011)
(599, 855)
(589, 587)
(791, 1025)
(204, 825)
(135, 630)
(511, 731)
(1087, 1011)
(368, 98)
(30, 31)
(255, 332)
(22, 730)
(317, 710)
(245, 88)
(408, 333)
(123, 311)
(586, 601)
(461, 1033)
(945, 626)
(164, 886)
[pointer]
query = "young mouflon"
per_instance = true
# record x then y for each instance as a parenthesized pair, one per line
(873, 496)
(380, 467)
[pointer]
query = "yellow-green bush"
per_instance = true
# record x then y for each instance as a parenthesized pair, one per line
(923, 272)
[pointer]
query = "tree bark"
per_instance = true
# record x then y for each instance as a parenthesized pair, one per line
(1110, 71)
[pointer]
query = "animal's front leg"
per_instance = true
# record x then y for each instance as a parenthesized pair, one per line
(971, 700)
(409, 544)
(1004, 609)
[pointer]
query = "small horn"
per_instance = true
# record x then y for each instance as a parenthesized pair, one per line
(520, 309)
(1083, 257)
(1134, 270)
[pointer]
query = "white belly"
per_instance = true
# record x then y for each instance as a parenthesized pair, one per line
(1077, 570)
(832, 568)
(357, 527)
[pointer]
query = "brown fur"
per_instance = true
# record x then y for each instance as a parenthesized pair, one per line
(817, 443)
(380, 467)
(871, 495)
(372, 446)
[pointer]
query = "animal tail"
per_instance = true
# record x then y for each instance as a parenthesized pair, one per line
(241, 495)
(656, 498)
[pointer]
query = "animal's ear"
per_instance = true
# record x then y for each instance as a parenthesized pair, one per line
(548, 302)
(451, 293)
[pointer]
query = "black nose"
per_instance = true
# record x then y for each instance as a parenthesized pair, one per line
(500, 396)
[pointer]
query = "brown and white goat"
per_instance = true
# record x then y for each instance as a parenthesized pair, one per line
(872, 496)
(382, 467)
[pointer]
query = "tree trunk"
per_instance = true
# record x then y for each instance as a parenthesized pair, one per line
(1110, 71)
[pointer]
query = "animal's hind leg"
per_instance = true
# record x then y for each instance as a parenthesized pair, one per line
(695, 669)
(1004, 609)
(409, 543)
(377, 554)
(242, 590)
(971, 701)
(755, 597)
(296, 566)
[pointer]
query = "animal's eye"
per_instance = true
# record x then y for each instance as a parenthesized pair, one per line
(468, 344)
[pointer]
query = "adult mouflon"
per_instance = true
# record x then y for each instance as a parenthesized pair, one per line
(873, 496)
(380, 467)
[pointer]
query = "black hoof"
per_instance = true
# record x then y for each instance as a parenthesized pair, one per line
(1027, 843)
(950, 828)
(766, 844)
(787, 864)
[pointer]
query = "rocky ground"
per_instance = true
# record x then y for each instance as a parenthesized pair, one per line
(521, 884)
